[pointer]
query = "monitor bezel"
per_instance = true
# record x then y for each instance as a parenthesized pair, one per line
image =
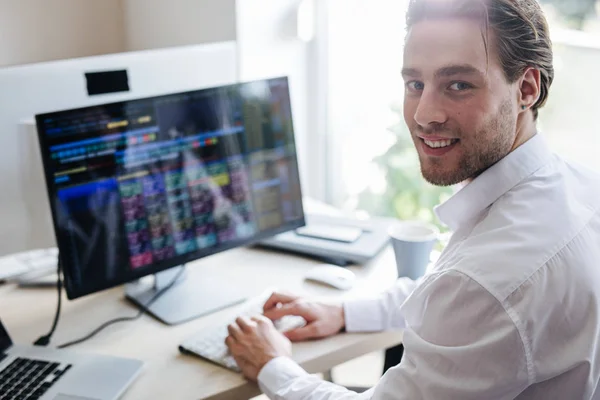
(75, 291)
(5, 340)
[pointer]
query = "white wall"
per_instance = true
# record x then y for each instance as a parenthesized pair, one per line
(152, 24)
(44, 30)
(268, 46)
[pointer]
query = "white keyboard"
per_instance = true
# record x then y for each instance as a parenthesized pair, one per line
(210, 344)
(34, 262)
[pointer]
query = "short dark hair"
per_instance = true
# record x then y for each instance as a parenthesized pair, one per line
(522, 35)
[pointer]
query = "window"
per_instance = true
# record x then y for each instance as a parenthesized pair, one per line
(567, 119)
(375, 169)
(373, 165)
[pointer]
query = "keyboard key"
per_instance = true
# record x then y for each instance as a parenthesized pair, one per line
(29, 379)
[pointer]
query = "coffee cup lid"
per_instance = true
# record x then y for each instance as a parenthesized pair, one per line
(414, 231)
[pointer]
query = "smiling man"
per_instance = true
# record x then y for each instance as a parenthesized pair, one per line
(511, 309)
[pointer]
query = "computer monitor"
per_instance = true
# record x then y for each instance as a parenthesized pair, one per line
(138, 187)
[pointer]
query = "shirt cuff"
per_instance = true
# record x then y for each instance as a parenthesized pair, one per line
(278, 372)
(364, 315)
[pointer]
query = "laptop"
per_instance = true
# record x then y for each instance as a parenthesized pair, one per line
(33, 372)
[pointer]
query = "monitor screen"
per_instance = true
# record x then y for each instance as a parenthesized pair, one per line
(140, 186)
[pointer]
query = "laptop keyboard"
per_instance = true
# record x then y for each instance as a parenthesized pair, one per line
(27, 379)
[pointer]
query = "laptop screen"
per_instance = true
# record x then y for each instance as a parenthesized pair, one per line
(5, 341)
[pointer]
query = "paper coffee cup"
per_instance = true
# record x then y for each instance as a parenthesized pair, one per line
(413, 242)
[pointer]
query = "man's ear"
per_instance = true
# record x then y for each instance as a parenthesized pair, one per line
(529, 88)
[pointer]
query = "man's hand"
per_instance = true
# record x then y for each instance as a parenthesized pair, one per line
(253, 342)
(322, 320)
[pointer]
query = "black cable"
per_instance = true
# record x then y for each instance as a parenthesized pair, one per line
(97, 330)
(45, 340)
(124, 319)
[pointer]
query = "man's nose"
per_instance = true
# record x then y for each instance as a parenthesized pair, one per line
(430, 110)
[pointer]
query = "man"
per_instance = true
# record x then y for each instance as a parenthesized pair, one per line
(511, 309)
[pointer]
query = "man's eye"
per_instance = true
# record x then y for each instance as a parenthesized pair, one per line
(460, 86)
(415, 85)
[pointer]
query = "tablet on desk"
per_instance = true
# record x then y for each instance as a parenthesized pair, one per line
(334, 240)
(345, 234)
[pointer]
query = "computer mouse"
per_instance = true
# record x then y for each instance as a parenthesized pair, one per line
(332, 275)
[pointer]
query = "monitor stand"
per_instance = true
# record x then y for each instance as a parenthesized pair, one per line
(192, 296)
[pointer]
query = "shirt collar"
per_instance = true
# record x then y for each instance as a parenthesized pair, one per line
(468, 203)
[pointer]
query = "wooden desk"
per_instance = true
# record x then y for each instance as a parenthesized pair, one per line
(28, 313)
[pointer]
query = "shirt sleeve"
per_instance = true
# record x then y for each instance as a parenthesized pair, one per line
(381, 312)
(283, 379)
(460, 344)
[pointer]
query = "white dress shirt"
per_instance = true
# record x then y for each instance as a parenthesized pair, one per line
(512, 307)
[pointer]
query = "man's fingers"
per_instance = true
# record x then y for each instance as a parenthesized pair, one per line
(229, 342)
(234, 346)
(309, 331)
(286, 309)
(277, 298)
(245, 324)
(235, 331)
(261, 319)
